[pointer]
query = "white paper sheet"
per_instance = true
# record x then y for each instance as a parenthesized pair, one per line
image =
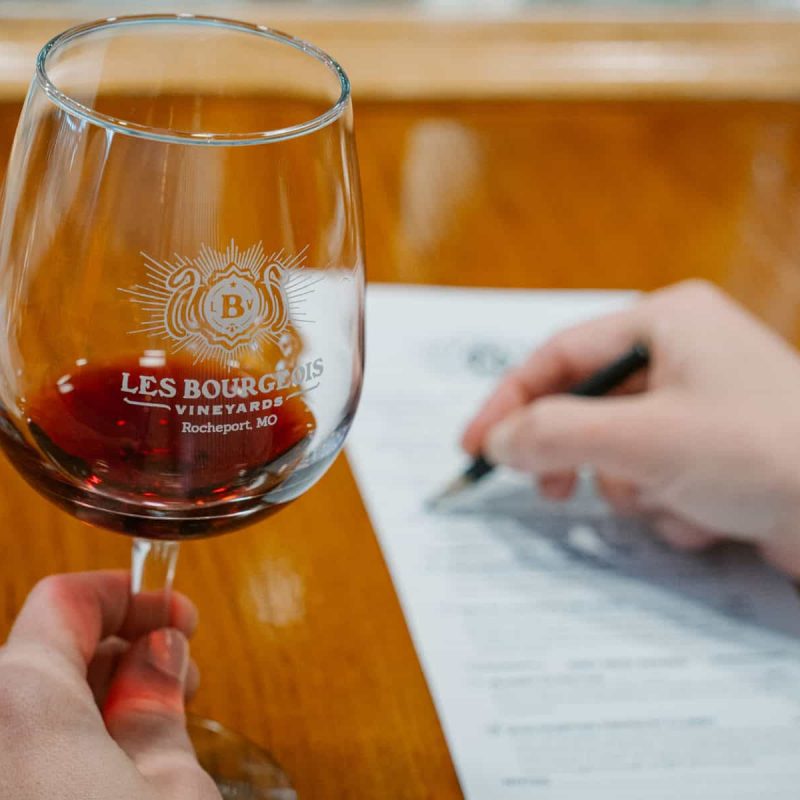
(569, 653)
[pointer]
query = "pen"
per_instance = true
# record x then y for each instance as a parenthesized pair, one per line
(601, 382)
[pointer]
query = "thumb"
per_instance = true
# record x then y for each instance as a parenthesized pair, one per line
(634, 438)
(144, 714)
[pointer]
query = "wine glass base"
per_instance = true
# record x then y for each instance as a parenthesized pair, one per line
(241, 769)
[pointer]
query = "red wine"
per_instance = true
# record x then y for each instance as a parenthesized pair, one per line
(169, 450)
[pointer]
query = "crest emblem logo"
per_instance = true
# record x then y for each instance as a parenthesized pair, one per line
(221, 303)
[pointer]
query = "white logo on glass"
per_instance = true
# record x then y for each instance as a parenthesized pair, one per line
(220, 303)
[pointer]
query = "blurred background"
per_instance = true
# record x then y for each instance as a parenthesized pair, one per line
(546, 145)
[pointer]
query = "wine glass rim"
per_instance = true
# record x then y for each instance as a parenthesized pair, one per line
(76, 108)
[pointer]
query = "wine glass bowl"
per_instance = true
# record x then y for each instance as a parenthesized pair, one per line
(183, 286)
(181, 289)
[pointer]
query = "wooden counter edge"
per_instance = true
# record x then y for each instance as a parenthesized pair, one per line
(408, 56)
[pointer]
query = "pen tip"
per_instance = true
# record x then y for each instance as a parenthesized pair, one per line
(452, 490)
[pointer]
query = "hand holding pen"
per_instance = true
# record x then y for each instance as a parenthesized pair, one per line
(599, 383)
(705, 442)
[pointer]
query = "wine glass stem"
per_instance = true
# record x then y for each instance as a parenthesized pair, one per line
(152, 571)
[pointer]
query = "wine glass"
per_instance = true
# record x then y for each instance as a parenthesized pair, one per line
(182, 282)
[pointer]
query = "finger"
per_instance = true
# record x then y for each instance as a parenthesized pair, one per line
(635, 384)
(507, 397)
(144, 713)
(635, 438)
(103, 666)
(557, 485)
(71, 614)
(192, 681)
(621, 495)
(683, 535)
(561, 362)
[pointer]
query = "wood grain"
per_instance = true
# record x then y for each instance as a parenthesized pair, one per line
(302, 643)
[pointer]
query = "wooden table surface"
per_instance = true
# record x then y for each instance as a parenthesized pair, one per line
(302, 645)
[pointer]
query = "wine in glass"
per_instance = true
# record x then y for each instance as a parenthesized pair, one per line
(182, 281)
